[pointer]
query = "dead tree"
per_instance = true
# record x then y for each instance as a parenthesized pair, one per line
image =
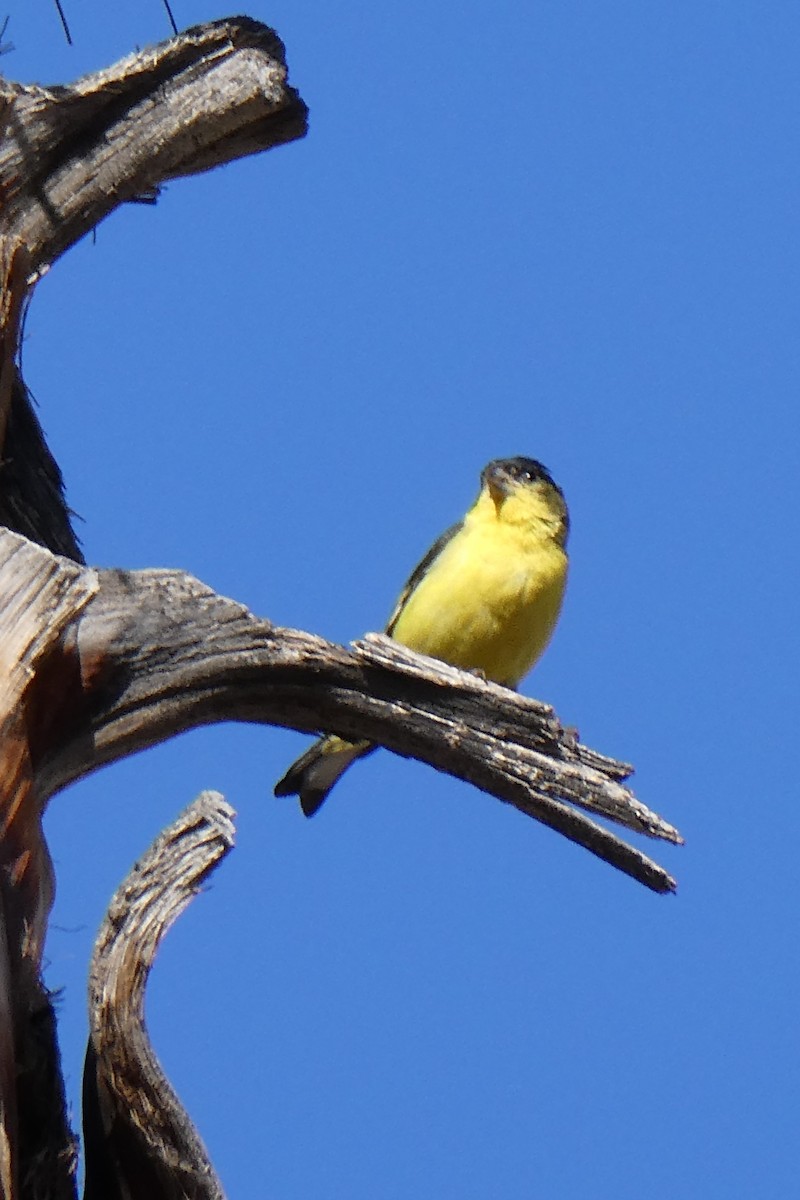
(99, 663)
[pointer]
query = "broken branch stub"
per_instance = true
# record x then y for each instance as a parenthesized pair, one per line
(70, 155)
(139, 1140)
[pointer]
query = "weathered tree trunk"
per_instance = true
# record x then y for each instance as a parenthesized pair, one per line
(97, 664)
(68, 157)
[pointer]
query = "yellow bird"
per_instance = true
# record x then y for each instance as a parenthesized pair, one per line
(486, 598)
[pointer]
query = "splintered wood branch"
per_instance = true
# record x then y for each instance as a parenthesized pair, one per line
(139, 1140)
(70, 155)
(154, 653)
(36, 1149)
(36, 611)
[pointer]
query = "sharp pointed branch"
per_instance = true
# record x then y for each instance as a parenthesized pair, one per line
(154, 653)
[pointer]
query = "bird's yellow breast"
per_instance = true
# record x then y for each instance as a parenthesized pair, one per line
(491, 598)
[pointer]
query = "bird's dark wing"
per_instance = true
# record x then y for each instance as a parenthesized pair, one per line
(419, 572)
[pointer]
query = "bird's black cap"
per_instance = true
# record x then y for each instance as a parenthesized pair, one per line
(501, 474)
(527, 470)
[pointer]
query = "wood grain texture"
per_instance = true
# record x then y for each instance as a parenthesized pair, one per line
(36, 610)
(154, 653)
(70, 155)
(96, 665)
(139, 1141)
(105, 663)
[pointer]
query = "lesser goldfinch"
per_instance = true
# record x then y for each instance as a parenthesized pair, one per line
(486, 598)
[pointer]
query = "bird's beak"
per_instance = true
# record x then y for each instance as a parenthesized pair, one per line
(498, 483)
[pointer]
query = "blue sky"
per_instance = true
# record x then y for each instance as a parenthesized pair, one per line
(566, 230)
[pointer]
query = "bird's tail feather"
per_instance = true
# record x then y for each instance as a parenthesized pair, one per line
(316, 771)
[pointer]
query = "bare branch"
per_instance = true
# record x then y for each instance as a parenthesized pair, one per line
(154, 653)
(139, 1141)
(70, 155)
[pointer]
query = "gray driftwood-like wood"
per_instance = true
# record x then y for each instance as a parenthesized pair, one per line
(38, 1150)
(68, 157)
(139, 1141)
(103, 663)
(95, 665)
(153, 653)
